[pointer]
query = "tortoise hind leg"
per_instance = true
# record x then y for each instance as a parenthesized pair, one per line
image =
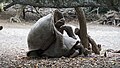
(35, 53)
(32, 54)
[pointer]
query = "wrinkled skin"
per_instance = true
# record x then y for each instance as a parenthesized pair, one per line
(59, 22)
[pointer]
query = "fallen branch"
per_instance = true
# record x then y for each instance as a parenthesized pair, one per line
(95, 48)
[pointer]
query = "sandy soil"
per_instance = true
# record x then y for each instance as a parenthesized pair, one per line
(13, 48)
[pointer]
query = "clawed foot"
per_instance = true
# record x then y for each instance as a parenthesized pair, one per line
(32, 54)
(87, 52)
(76, 53)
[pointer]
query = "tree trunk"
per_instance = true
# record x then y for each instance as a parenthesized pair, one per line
(83, 27)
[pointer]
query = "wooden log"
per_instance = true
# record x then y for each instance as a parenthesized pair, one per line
(83, 27)
(95, 48)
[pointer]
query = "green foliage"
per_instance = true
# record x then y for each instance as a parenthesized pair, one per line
(55, 3)
(1, 1)
(109, 2)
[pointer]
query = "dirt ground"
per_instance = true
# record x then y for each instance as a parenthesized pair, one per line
(13, 47)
